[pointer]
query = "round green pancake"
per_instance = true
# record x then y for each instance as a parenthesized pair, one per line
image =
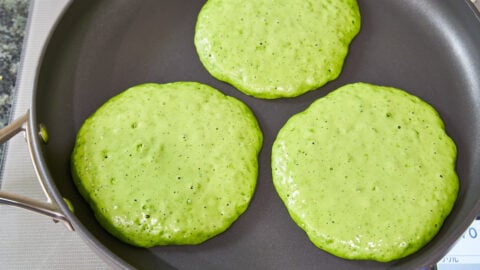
(367, 171)
(168, 164)
(276, 48)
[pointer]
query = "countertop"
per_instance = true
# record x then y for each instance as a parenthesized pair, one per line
(13, 19)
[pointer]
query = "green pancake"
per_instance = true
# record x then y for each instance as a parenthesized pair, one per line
(165, 164)
(367, 171)
(276, 48)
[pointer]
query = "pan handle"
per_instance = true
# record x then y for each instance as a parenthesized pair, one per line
(48, 207)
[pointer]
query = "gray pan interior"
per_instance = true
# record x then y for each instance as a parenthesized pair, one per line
(430, 48)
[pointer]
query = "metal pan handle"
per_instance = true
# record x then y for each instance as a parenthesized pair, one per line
(48, 207)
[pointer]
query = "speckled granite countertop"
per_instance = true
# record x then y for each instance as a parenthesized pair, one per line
(13, 18)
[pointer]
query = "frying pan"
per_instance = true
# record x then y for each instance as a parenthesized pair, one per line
(99, 48)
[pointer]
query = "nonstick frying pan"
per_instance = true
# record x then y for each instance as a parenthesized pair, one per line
(99, 48)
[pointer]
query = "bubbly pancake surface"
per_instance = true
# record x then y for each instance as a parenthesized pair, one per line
(276, 48)
(368, 172)
(168, 164)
